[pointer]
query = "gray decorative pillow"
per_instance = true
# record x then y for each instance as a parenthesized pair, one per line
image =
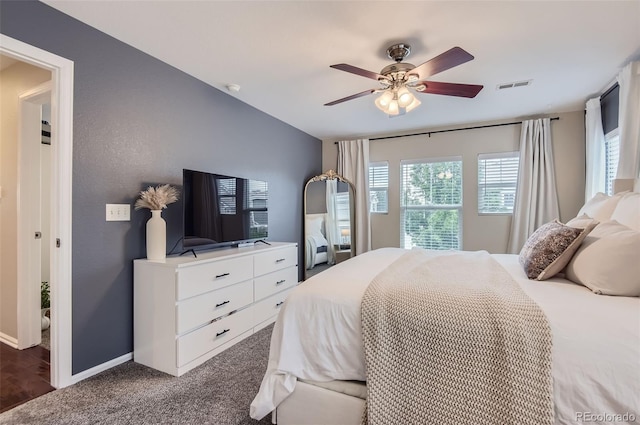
(550, 248)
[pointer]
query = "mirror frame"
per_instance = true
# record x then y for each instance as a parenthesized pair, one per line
(332, 175)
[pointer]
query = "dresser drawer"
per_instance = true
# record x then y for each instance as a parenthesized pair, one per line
(274, 282)
(205, 339)
(201, 278)
(270, 261)
(206, 307)
(269, 307)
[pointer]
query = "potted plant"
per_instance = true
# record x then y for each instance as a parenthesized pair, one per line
(45, 304)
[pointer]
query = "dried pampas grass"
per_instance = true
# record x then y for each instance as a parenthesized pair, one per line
(157, 198)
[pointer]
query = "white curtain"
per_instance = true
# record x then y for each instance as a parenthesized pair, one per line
(353, 165)
(536, 200)
(629, 122)
(595, 160)
(331, 223)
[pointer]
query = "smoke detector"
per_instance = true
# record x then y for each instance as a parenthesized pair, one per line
(233, 88)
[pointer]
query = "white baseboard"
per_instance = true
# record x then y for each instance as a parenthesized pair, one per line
(100, 368)
(9, 340)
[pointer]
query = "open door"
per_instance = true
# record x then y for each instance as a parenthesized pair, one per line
(30, 214)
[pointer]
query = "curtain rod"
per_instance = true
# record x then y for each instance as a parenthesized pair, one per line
(429, 133)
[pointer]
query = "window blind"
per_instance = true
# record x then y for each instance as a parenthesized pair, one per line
(256, 202)
(612, 154)
(227, 195)
(497, 182)
(379, 187)
(343, 216)
(431, 203)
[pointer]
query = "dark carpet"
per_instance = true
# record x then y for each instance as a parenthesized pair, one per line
(217, 392)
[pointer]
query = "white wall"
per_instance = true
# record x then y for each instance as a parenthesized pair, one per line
(488, 232)
(14, 80)
(45, 206)
(45, 201)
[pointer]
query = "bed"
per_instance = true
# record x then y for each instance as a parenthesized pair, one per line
(316, 371)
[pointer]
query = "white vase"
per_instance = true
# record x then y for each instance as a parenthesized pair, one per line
(156, 236)
(44, 320)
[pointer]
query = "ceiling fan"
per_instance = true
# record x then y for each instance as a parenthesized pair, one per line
(397, 79)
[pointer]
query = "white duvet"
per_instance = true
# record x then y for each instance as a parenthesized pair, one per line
(596, 340)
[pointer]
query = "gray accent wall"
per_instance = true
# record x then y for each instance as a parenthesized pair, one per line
(139, 122)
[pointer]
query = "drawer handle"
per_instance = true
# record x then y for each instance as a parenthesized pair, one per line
(280, 282)
(218, 276)
(222, 333)
(280, 303)
(279, 260)
(222, 303)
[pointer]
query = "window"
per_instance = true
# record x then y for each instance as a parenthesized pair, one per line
(343, 217)
(609, 102)
(256, 195)
(227, 195)
(431, 204)
(497, 180)
(611, 155)
(379, 187)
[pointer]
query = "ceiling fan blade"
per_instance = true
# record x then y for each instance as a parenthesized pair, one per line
(353, 96)
(358, 71)
(452, 57)
(451, 89)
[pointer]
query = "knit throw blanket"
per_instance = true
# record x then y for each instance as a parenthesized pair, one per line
(450, 338)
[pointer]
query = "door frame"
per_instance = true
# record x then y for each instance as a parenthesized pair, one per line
(61, 199)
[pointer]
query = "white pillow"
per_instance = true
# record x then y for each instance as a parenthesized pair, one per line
(601, 206)
(582, 222)
(627, 210)
(607, 262)
(314, 225)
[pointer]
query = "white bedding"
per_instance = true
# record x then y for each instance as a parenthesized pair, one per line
(596, 338)
(312, 256)
(314, 239)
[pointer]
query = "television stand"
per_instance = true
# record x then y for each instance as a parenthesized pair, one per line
(263, 241)
(189, 250)
(188, 310)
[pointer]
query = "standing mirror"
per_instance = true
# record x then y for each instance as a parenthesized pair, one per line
(329, 225)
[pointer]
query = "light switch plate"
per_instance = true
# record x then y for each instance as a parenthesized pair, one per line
(118, 212)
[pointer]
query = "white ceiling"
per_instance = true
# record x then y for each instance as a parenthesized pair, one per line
(279, 52)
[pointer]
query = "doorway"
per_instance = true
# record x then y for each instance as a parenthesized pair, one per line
(24, 164)
(61, 93)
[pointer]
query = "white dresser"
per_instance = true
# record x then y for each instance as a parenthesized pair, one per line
(187, 310)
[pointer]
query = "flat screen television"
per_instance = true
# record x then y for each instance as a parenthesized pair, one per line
(221, 210)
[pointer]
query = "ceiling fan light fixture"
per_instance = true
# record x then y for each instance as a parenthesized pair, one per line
(393, 108)
(396, 79)
(397, 101)
(382, 102)
(405, 97)
(413, 105)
